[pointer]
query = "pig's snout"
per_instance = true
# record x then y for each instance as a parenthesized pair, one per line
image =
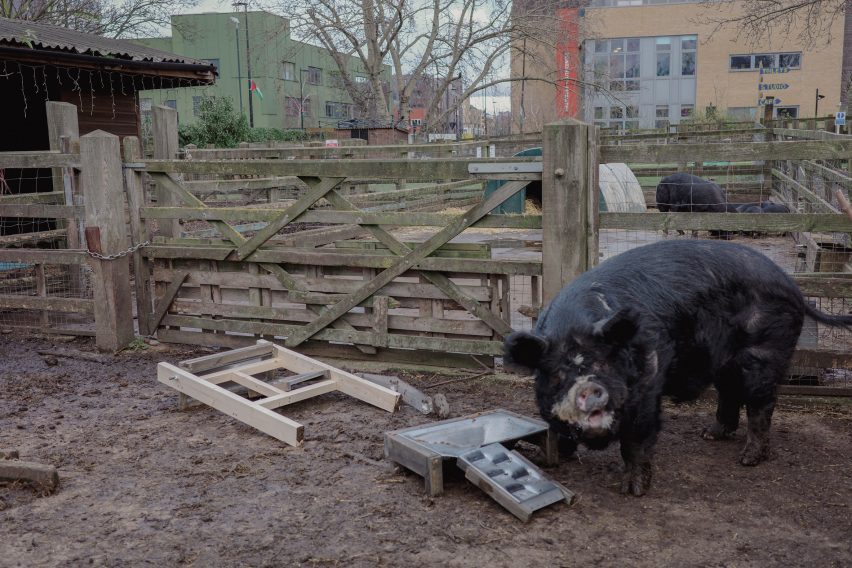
(591, 396)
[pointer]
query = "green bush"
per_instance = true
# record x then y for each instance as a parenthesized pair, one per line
(221, 125)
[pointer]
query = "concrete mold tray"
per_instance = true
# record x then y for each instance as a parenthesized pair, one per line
(424, 449)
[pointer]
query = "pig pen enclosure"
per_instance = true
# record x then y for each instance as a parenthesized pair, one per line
(388, 256)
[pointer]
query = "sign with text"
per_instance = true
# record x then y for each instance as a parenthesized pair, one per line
(770, 100)
(840, 119)
(773, 70)
(773, 86)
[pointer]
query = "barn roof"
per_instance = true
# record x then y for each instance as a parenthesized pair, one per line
(38, 35)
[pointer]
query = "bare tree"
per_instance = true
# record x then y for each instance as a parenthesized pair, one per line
(113, 18)
(809, 21)
(456, 42)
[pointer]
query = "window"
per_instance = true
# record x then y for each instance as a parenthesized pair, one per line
(288, 71)
(687, 111)
(755, 61)
(664, 56)
(662, 116)
(171, 103)
(291, 106)
(688, 45)
(742, 113)
(213, 62)
(616, 63)
(599, 112)
(337, 110)
(145, 105)
(196, 105)
(787, 112)
(314, 76)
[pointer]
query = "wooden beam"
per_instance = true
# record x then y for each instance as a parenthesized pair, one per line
(38, 159)
(721, 152)
(167, 299)
(68, 305)
(303, 393)
(774, 222)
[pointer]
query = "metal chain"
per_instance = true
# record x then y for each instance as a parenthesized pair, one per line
(132, 249)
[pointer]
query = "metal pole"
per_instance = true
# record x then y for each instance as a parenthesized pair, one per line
(301, 101)
(816, 104)
(523, 84)
(239, 71)
(248, 65)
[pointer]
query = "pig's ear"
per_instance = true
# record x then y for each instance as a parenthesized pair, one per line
(617, 329)
(523, 351)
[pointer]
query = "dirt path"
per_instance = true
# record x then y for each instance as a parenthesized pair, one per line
(143, 484)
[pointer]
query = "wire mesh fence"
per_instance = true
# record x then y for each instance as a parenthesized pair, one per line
(39, 295)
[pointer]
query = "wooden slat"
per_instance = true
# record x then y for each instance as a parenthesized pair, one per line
(303, 393)
(41, 211)
(70, 305)
(339, 217)
(233, 405)
(201, 364)
(39, 159)
(49, 197)
(775, 222)
(166, 300)
(721, 152)
(320, 257)
(40, 256)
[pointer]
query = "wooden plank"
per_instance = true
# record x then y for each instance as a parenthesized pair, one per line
(316, 192)
(167, 299)
(408, 261)
(380, 320)
(199, 365)
(809, 134)
(289, 383)
(347, 383)
(248, 368)
(298, 315)
(775, 222)
(135, 190)
(723, 152)
(41, 256)
(43, 476)
(41, 211)
(249, 413)
(38, 159)
(249, 382)
(339, 217)
(164, 126)
(47, 197)
(443, 169)
(68, 305)
(321, 257)
(304, 393)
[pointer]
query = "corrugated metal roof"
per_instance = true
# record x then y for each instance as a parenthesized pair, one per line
(39, 35)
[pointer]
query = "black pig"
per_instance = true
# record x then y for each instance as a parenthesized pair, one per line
(686, 192)
(668, 318)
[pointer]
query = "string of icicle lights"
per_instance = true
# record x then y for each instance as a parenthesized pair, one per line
(83, 82)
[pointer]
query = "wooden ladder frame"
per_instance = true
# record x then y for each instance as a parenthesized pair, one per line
(202, 378)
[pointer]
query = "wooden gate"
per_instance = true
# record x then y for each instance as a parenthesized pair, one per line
(320, 290)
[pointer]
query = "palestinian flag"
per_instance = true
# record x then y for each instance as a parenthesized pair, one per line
(253, 87)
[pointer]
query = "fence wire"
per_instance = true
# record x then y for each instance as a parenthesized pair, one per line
(20, 280)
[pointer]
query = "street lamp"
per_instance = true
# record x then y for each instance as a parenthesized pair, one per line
(248, 62)
(236, 23)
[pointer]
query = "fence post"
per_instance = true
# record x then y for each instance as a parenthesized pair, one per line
(164, 127)
(139, 234)
(62, 123)
(103, 191)
(569, 203)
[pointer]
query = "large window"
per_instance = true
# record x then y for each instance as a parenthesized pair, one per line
(338, 110)
(314, 76)
(288, 71)
(664, 56)
(787, 112)
(662, 116)
(616, 61)
(621, 117)
(293, 108)
(688, 44)
(754, 61)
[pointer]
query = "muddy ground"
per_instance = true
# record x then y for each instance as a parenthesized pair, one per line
(145, 484)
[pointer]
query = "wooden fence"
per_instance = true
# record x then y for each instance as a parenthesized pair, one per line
(48, 280)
